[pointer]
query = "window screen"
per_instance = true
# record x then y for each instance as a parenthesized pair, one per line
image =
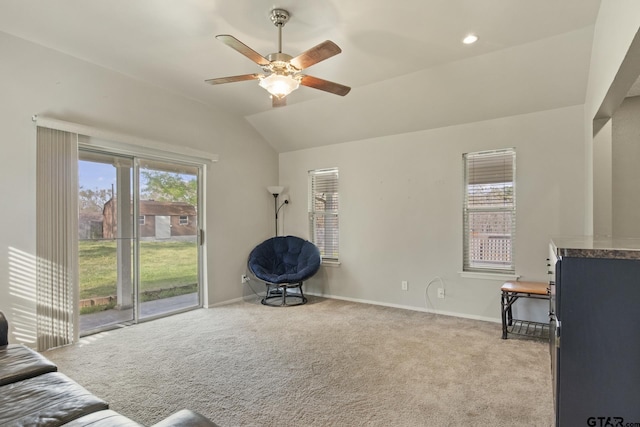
(323, 211)
(489, 211)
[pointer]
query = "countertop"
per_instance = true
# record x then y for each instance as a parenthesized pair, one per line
(596, 247)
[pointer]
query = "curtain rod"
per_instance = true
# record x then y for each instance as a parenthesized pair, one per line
(123, 138)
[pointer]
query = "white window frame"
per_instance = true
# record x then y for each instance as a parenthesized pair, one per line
(185, 221)
(490, 250)
(141, 219)
(329, 240)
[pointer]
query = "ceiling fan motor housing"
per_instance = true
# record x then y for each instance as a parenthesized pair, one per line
(279, 17)
(280, 64)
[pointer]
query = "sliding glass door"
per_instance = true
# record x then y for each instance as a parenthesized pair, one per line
(139, 252)
(168, 237)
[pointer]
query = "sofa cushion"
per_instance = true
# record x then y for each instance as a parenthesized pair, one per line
(49, 400)
(18, 363)
(106, 418)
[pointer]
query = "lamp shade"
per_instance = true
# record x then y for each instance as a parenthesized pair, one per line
(275, 190)
(279, 85)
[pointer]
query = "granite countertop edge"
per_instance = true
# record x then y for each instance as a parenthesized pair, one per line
(597, 247)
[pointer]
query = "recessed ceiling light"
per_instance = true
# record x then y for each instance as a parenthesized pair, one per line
(470, 39)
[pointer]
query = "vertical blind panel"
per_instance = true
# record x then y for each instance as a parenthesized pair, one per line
(489, 210)
(323, 211)
(56, 237)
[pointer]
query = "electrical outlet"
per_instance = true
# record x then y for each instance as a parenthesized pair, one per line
(405, 285)
(244, 278)
(441, 293)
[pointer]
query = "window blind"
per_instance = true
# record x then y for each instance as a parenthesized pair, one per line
(489, 211)
(323, 211)
(57, 286)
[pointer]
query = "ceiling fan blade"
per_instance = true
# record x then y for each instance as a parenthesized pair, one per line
(232, 79)
(278, 102)
(325, 85)
(236, 44)
(318, 53)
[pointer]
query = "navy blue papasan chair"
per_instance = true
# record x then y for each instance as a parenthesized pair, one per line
(283, 263)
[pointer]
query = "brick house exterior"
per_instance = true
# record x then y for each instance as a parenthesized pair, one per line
(159, 220)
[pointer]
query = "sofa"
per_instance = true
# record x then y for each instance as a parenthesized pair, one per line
(34, 393)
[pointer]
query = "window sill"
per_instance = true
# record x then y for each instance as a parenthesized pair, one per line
(331, 263)
(488, 276)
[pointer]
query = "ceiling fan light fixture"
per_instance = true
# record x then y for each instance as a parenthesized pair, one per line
(470, 39)
(279, 85)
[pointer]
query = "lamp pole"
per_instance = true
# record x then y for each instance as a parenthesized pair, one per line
(275, 207)
(276, 191)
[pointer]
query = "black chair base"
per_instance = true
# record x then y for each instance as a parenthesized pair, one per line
(278, 295)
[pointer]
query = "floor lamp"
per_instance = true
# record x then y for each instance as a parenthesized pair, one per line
(276, 190)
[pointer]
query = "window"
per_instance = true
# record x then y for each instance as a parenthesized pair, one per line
(323, 211)
(489, 211)
(141, 219)
(184, 220)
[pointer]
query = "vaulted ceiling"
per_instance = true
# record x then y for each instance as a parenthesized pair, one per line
(404, 60)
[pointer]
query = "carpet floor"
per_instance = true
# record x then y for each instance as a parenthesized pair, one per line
(326, 363)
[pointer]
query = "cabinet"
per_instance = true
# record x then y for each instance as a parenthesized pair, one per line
(595, 332)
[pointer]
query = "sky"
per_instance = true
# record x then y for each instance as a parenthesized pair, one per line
(93, 175)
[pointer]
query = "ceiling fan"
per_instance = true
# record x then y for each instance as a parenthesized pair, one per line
(283, 72)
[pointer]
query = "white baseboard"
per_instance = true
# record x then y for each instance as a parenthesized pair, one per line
(227, 302)
(409, 307)
(383, 304)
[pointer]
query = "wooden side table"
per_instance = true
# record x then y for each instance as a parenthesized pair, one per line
(511, 292)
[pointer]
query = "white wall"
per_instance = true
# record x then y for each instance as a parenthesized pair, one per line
(37, 80)
(401, 207)
(602, 181)
(625, 160)
(617, 23)
(616, 26)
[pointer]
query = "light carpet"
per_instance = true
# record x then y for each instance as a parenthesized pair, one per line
(326, 363)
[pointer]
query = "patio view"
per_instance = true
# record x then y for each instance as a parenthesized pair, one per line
(171, 271)
(132, 271)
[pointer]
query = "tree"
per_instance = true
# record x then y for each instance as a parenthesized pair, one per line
(93, 200)
(169, 187)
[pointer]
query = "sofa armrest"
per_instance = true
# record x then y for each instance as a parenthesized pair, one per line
(186, 418)
(4, 330)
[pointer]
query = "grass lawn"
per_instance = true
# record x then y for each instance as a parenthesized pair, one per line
(164, 264)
